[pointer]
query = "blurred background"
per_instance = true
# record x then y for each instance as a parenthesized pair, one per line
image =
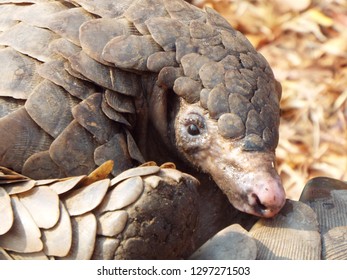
(305, 42)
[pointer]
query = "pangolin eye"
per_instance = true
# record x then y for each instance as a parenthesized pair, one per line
(193, 130)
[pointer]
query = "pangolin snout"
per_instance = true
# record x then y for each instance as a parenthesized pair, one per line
(251, 184)
(265, 195)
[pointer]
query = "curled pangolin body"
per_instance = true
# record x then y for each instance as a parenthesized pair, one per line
(76, 80)
(80, 81)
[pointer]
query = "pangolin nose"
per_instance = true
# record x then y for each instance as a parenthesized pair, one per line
(256, 203)
(267, 199)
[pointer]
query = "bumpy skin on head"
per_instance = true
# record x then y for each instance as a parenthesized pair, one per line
(71, 117)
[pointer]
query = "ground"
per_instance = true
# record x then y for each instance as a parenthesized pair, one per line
(305, 42)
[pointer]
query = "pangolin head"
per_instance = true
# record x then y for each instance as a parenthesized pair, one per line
(227, 120)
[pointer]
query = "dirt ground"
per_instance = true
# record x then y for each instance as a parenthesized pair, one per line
(305, 42)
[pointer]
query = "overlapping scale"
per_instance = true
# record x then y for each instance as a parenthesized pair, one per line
(18, 74)
(6, 213)
(64, 23)
(57, 240)
(73, 150)
(50, 107)
(83, 237)
(88, 113)
(130, 51)
(105, 30)
(124, 194)
(24, 235)
(55, 72)
(112, 223)
(22, 137)
(29, 40)
(43, 205)
(83, 200)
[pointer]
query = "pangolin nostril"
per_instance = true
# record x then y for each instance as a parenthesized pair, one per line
(258, 203)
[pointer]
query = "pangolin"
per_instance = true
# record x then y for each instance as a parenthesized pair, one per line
(83, 82)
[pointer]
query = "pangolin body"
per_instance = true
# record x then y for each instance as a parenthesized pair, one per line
(83, 82)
